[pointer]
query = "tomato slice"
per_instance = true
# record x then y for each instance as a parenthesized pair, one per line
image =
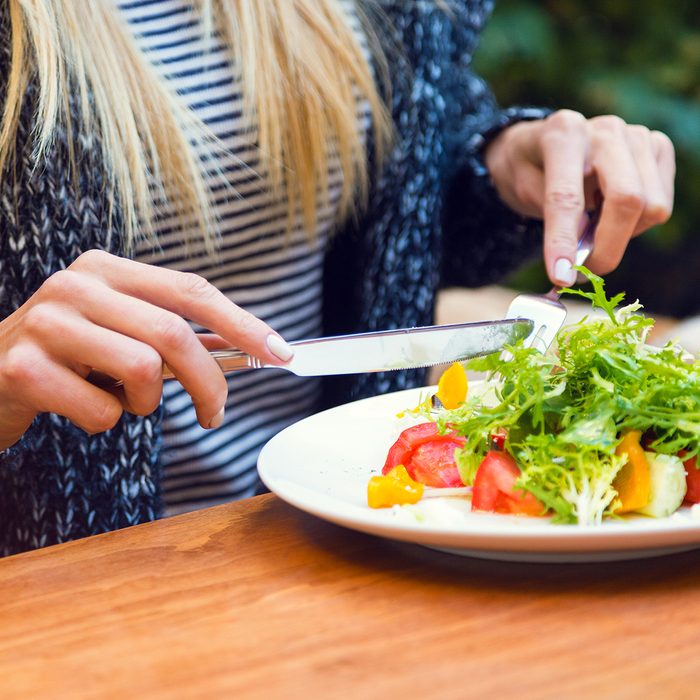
(494, 487)
(427, 455)
(400, 452)
(692, 479)
(433, 463)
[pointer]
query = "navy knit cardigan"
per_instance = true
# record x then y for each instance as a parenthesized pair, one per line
(433, 219)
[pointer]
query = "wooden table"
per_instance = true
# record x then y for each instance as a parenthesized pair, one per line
(258, 600)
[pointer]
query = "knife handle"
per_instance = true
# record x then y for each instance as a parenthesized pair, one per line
(228, 360)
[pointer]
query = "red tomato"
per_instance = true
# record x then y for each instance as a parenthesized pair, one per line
(400, 452)
(494, 487)
(692, 479)
(498, 439)
(433, 463)
(427, 455)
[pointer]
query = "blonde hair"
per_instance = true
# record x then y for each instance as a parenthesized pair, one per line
(303, 71)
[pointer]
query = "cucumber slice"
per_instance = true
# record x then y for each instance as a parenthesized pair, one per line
(668, 485)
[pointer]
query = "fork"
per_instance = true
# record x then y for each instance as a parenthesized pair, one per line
(547, 312)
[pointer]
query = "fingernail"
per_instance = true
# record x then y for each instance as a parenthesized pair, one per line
(218, 420)
(564, 273)
(279, 347)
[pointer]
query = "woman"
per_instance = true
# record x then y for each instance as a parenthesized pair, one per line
(307, 166)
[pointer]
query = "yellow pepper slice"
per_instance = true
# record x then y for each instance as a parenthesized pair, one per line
(396, 488)
(452, 390)
(453, 386)
(633, 481)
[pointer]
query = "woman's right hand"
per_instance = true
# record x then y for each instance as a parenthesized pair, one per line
(123, 319)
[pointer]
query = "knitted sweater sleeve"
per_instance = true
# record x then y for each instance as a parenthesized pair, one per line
(483, 238)
(433, 217)
(58, 483)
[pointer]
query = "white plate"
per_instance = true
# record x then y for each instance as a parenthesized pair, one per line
(322, 464)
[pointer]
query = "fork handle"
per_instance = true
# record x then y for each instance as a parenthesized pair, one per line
(585, 243)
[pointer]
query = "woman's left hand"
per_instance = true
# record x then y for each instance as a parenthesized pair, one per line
(558, 167)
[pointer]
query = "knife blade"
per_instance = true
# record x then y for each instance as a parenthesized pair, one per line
(404, 348)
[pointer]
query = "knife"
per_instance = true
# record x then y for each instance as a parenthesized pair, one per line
(380, 351)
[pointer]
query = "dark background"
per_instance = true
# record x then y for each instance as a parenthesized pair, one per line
(639, 59)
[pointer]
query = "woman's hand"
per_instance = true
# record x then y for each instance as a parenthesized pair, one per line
(124, 319)
(557, 167)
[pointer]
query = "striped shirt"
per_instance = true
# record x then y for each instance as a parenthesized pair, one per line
(275, 277)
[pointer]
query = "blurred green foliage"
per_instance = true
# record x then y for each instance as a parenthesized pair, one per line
(639, 59)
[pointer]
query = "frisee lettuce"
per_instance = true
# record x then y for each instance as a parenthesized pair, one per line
(564, 412)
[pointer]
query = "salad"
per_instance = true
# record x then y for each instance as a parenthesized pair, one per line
(600, 426)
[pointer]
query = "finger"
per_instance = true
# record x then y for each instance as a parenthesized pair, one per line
(657, 203)
(622, 190)
(564, 153)
(211, 341)
(189, 296)
(50, 387)
(666, 160)
(136, 364)
(172, 338)
(168, 334)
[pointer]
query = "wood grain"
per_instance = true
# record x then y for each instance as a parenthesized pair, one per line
(257, 600)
